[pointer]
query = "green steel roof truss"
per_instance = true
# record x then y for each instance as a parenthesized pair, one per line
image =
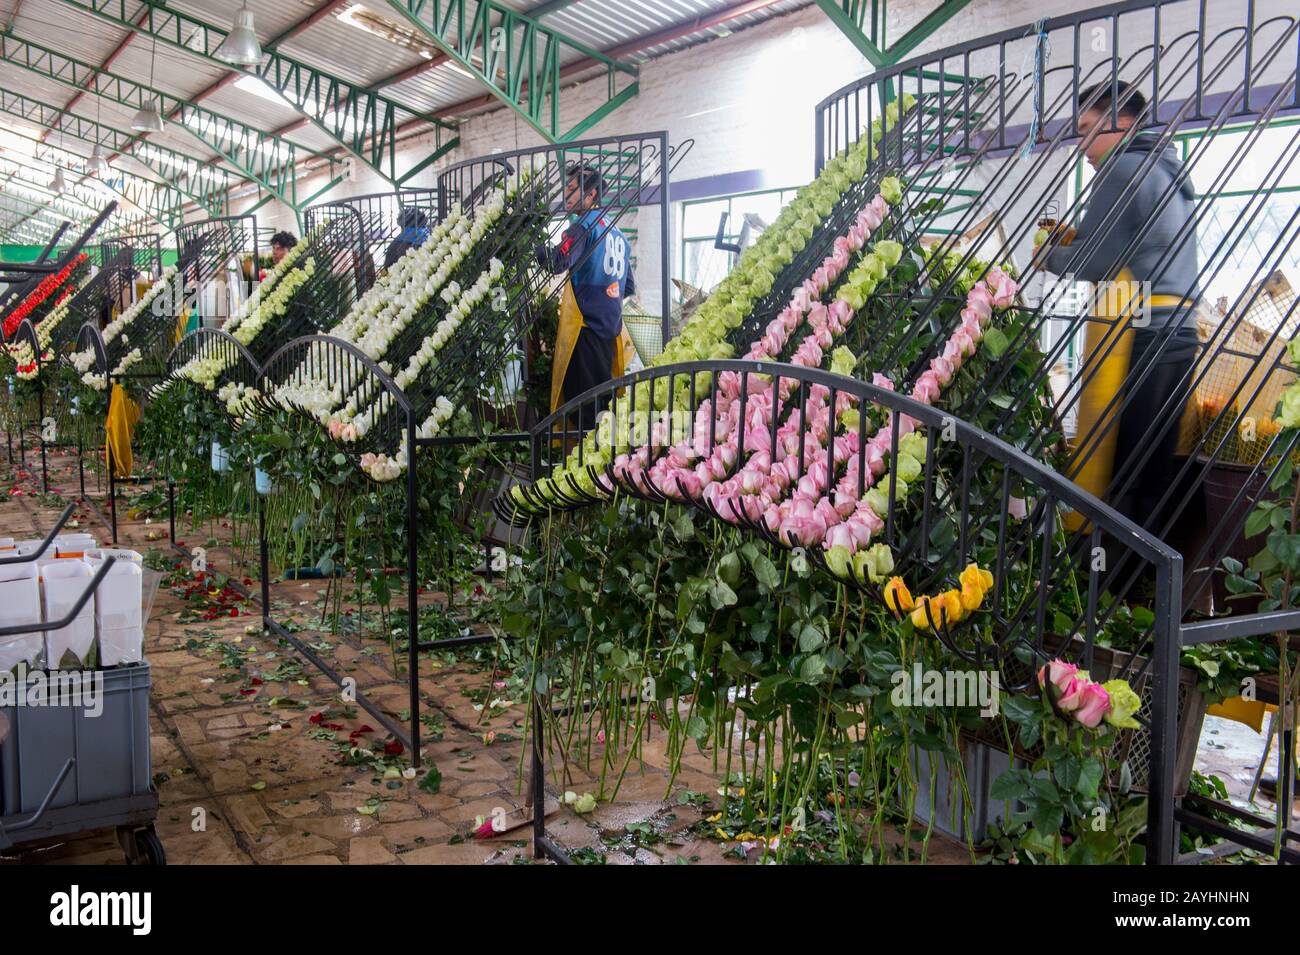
(359, 119)
(515, 57)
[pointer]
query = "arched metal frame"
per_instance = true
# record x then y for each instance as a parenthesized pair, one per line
(640, 165)
(968, 457)
(206, 249)
(349, 366)
(146, 251)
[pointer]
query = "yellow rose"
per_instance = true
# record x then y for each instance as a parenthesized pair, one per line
(897, 597)
(921, 619)
(952, 608)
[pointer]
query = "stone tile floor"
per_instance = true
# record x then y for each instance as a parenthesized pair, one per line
(245, 777)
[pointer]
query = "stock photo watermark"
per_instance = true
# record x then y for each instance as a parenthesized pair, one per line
(946, 688)
(82, 689)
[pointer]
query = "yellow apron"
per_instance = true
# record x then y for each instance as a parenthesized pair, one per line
(179, 331)
(123, 413)
(1241, 710)
(1108, 352)
(566, 338)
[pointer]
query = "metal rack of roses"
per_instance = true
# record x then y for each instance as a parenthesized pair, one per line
(350, 416)
(859, 532)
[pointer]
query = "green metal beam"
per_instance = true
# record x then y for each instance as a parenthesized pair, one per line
(38, 204)
(514, 56)
(867, 33)
(205, 185)
(262, 158)
(158, 201)
(362, 121)
(32, 210)
(35, 177)
(848, 16)
(928, 26)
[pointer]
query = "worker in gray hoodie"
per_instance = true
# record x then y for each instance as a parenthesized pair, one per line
(1137, 224)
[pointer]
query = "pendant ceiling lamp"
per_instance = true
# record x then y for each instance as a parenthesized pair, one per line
(149, 117)
(240, 47)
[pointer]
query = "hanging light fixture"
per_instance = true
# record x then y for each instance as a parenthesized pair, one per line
(60, 183)
(98, 165)
(240, 47)
(149, 117)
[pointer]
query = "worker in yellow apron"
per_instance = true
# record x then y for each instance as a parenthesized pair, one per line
(1134, 410)
(591, 345)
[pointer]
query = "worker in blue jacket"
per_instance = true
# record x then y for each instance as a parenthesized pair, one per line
(589, 347)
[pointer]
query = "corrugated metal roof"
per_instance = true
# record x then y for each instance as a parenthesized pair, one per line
(364, 42)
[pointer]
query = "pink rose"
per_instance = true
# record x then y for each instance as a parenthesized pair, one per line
(1016, 508)
(1072, 696)
(979, 300)
(839, 536)
(841, 312)
(927, 387)
(942, 369)
(1093, 706)
(818, 315)
(1058, 672)
(1003, 287)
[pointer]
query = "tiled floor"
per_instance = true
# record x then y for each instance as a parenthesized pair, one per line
(245, 776)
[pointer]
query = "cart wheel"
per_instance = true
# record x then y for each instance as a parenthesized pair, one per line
(142, 846)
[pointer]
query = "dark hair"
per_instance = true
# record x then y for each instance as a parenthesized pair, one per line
(285, 240)
(1131, 101)
(589, 179)
(414, 218)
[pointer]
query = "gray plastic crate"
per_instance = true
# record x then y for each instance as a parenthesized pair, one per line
(983, 764)
(111, 749)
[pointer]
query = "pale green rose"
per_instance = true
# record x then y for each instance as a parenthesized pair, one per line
(1293, 350)
(873, 264)
(882, 560)
(837, 559)
(877, 499)
(908, 468)
(888, 250)
(864, 566)
(913, 445)
(1289, 408)
(1123, 704)
(843, 361)
(892, 190)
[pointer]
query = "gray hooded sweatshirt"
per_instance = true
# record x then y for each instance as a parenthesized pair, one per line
(1095, 254)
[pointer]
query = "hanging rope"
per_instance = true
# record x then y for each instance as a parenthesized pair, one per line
(1042, 52)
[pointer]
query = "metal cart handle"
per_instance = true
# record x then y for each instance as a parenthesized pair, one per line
(45, 803)
(45, 545)
(48, 625)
